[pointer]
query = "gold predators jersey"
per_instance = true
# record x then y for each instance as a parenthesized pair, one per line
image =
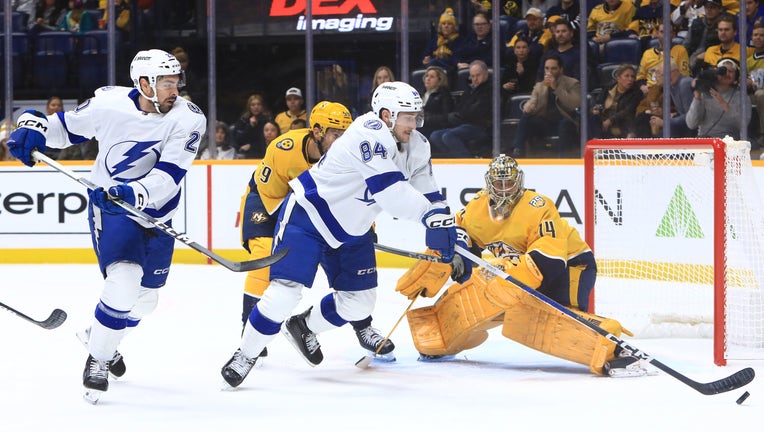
(602, 21)
(285, 159)
(534, 224)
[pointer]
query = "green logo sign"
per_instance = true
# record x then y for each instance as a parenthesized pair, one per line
(679, 219)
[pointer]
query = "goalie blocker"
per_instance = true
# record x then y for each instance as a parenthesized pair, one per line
(461, 317)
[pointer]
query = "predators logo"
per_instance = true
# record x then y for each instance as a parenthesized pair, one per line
(285, 144)
(259, 217)
(537, 202)
(502, 250)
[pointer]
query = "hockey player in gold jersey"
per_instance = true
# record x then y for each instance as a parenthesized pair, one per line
(286, 158)
(529, 240)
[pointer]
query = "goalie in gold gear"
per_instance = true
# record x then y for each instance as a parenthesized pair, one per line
(529, 240)
(286, 158)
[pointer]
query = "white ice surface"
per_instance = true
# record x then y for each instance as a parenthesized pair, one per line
(174, 357)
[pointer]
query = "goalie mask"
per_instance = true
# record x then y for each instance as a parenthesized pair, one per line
(327, 115)
(504, 182)
(152, 64)
(397, 97)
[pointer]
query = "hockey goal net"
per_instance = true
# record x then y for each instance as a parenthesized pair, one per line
(677, 228)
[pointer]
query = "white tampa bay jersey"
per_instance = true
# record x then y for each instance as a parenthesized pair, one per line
(363, 173)
(147, 150)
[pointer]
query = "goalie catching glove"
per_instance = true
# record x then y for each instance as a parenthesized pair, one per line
(123, 192)
(29, 136)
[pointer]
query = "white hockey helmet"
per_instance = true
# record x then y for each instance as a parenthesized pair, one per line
(152, 64)
(397, 97)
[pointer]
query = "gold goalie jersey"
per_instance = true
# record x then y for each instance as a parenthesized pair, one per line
(533, 225)
(284, 160)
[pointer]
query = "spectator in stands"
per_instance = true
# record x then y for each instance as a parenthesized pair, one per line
(26, 7)
(716, 109)
(534, 33)
(49, 14)
(565, 49)
(195, 87)
(650, 110)
(726, 30)
(121, 17)
(271, 130)
(471, 120)
(756, 79)
(702, 33)
(5, 155)
(224, 150)
(645, 22)
(570, 11)
(614, 112)
(437, 100)
(688, 10)
(54, 105)
(610, 20)
(77, 19)
(519, 70)
(443, 50)
(551, 109)
(294, 109)
(298, 123)
(383, 74)
(479, 43)
(753, 15)
(248, 130)
(652, 58)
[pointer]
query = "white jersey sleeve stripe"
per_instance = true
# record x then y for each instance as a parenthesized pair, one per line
(175, 172)
(380, 182)
(320, 205)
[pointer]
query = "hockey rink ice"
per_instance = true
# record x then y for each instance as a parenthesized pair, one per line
(174, 357)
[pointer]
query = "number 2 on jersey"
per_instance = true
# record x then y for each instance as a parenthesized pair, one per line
(367, 153)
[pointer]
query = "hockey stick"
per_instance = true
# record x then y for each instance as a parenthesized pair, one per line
(237, 266)
(732, 382)
(365, 361)
(56, 318)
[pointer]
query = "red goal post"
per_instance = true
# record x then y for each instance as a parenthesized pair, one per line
(677, 228)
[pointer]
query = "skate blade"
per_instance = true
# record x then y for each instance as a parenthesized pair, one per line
(92, 396)
(436, 359)
(296, 346)
(387, 358)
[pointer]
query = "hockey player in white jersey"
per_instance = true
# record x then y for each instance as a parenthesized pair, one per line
(147, 138)
(380, 163)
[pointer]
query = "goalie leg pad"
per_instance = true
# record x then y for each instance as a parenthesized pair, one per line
(257, 280)
(458, 321)
(424, 277)
(540, 326)
(503, 293)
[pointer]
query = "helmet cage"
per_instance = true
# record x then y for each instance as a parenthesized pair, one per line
(505, 184)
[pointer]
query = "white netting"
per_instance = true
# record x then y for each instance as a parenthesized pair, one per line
(654, 243)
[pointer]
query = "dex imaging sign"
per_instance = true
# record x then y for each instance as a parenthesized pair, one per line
(343, 16)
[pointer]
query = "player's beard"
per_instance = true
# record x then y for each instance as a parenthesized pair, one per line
(167, 104)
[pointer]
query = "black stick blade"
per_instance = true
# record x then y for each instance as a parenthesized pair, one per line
(260, 263)
(56, 318)
(732, 382)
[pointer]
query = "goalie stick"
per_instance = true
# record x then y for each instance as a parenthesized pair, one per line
(732, 382)
(56, 318)
(237, 266)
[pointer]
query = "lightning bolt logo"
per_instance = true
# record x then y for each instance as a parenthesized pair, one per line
(130, 158)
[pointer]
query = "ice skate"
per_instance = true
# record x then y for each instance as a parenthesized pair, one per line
(95, 378)
(370, 339)
(296, 330)
(435, 357)
(117, 366)
(237, 368)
